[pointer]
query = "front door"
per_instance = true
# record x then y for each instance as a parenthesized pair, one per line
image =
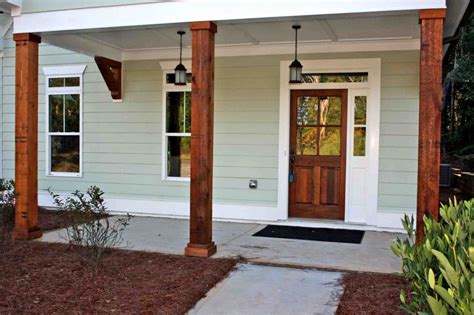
(317, 153)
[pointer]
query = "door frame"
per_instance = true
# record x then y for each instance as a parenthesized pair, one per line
(364, 212)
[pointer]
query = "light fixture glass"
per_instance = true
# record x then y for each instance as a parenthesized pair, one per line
(180, 70)
(296, 69)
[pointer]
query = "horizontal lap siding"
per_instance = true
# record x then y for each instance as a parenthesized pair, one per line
(123, 143)
(399, 133)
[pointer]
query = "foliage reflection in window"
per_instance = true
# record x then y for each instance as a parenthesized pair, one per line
(318, 122)
(360, 125)
(178, 134)
(353, 77)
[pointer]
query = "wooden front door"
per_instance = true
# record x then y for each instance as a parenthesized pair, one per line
(317, 153)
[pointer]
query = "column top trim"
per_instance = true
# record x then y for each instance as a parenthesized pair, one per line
(432, 14)
(29, 37)
(207, 25)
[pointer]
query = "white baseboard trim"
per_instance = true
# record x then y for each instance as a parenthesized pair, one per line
(386, 221)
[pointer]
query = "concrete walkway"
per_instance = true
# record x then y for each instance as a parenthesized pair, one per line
(253, 289)
(236, 240)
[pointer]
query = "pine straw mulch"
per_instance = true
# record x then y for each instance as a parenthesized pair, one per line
(47, 278)
(371, 293)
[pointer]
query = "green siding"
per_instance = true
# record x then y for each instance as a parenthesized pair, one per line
(123, 142)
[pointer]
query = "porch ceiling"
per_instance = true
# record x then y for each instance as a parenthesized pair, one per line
(161, 41)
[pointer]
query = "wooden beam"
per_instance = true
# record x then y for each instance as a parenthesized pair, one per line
(26, 137)
(111, 71)
(429, 139)
(202, 131)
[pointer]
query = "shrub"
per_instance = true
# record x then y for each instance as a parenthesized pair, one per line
(441, 267)
(7, 209)
(89, 224)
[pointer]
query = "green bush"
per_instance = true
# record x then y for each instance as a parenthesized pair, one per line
(441, 267)
(7, 209)
(89, 224)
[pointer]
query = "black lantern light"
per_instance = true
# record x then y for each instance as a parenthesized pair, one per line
(180, 70)
(296, 68)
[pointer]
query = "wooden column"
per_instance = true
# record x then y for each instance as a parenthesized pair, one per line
(429, 141)
(26, 137)
(202, 134)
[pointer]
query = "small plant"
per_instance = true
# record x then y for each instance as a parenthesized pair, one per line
(441, 267)
(89, 224)
(7, 210)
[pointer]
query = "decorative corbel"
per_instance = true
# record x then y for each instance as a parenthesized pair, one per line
(111, 71)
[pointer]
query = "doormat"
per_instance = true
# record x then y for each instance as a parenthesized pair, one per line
(312, 234)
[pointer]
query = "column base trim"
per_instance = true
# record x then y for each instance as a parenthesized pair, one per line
(27, 235)
(199, 250)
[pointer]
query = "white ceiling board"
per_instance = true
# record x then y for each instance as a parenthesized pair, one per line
(388, 26)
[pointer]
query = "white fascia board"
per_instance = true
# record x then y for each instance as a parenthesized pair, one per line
(203, 10)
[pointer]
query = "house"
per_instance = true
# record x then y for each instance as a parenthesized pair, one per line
(239, 132)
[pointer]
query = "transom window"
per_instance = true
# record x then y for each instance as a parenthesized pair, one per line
(177, 130)
(344, 77)
(63, 123)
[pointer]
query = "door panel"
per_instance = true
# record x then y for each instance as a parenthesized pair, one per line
(317, 153)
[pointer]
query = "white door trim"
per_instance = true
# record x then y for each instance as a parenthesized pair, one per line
(372, 88)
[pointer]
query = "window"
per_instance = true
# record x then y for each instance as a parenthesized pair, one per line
(64, 120)
(349, 77)
(177, 130)
(360, 125)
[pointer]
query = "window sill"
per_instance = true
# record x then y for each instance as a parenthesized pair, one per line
(176, 179)
(74, 175)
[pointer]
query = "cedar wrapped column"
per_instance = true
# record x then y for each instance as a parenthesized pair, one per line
(26, 137)
(429, 141)
(202, 133)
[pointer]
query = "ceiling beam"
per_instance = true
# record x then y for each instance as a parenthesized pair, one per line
(328, 29)
(247, 35)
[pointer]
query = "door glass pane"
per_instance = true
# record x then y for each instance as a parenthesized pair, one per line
(330, 110)
(360, 110)
(330, 141)
(306, 141)
(72, 112)
(65, 154)
(359, 141)
(179, 156)
(178, 112)
(56, 116)
(307, 111)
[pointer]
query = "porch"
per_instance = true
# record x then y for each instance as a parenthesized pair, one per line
(235, 240)
(362, 35)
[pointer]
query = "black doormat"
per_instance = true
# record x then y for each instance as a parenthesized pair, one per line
(312, 234)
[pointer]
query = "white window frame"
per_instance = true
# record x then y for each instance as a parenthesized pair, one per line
(168, 67)
(63, 72)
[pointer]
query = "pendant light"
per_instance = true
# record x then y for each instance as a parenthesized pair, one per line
(296, 68)
(180, 70)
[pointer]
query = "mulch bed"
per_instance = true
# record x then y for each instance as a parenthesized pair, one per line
(49, 219)
(371, 293)
(53, 278)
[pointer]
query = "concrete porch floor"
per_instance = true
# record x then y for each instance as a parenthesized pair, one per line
(235, 240)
